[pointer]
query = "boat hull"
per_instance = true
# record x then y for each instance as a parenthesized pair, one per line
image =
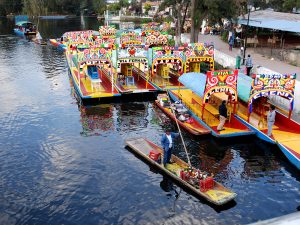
(291, 156)
(200, 130)
(213, 132)
(219, 195)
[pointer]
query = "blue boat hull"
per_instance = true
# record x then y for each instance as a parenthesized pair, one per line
(291, 157)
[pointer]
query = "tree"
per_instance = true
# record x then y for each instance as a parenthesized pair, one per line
(214, 11)
(178, 10)
(99, 6)
(147, 7)
(289, 5)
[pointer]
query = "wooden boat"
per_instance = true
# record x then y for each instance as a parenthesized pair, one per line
(87, 76)
(218, 194)
(133, 83)
(23, 27)
(194, 127)
(59, 44)
(203, 95)
(254, 100)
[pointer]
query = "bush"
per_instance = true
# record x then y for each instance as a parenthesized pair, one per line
(145, 20)
(224, 35)
(171, 42)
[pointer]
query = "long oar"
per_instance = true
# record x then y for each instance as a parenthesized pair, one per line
(184, 146)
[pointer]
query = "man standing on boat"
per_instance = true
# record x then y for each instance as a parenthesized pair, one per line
(223, 115)
(271, 119)
(167, 142)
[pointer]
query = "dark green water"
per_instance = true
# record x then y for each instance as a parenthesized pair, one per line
(64, 163)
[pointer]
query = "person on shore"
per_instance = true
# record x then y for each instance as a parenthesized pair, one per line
(271, 119)
(231, 42)
(223, 115)
(249, 65)
(167, 142)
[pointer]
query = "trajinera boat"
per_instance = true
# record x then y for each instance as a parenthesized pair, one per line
(23, 27)
(204, 93)
(199, 182)
(256, 94)
(189, 122)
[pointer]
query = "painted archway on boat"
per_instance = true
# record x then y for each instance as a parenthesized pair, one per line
(167, 54)
(175, 60)
(264, 85)
(132, 54)
(221, 81)
(197, 53)
(189, 60)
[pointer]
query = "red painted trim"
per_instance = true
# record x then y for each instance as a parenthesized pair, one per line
(195, 124)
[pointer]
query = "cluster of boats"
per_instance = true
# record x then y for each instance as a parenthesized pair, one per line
(110, 62)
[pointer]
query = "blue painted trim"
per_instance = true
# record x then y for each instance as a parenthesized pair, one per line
(291, 157)
(209, 128)
(261, 135)
(18, 32)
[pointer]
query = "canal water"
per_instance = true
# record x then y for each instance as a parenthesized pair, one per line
(65, 163)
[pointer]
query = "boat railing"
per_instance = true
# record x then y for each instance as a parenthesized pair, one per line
(137, 70)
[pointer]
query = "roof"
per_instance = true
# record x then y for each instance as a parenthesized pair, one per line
(272, 20)
(20, 23)
(244, 84)
(194, 81)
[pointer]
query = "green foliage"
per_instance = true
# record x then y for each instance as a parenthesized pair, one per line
(147, 7)
(99, 6)
(224, 35)
(145, 20)
(288, 5)
(114, 7)
(171, 42)
(168, 19)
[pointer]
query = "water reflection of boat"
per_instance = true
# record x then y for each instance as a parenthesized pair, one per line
(96, 119)
(132, 116)
(215, 193)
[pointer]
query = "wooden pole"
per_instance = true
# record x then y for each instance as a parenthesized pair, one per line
(184, 146)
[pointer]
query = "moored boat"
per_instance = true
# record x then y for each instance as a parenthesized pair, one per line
(189, 123)
(256, 94)
(86, 72)
(204, 94)
(23, 27)
(196, 181)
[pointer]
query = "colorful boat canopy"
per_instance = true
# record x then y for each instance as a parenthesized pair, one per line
(219, 81)
(194, 81)
(244, 87)
(264, 85)
(214, 82)
(107, 30)
(21, 18)
(23, 23)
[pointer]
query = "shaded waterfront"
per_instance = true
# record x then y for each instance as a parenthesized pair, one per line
(65, 163)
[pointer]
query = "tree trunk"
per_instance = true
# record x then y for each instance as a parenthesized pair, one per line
(193, 9)
(196, 34)
(178, 25)
(185, 12)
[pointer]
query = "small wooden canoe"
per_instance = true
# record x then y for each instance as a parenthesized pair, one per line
(217, 195)
(194, 128)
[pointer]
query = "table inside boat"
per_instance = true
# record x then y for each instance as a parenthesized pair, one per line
(95, 83)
